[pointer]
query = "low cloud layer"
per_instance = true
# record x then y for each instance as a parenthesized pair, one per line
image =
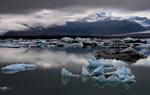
(43, 18)
(22, 6)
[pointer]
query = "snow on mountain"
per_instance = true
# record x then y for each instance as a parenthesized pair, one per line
(144, 21)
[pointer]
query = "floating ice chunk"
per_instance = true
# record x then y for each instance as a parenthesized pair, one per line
(14, 68)
(98, 71)
(94, 63)
(5, 88)
(85, 71)
(66, 73)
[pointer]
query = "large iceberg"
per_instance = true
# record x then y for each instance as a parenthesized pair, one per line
(14, 68)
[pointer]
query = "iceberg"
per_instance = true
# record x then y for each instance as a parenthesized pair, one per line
(14, 68)
(98, 71)
(66, 73)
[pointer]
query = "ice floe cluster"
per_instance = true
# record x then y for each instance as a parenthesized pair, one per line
(102, 73)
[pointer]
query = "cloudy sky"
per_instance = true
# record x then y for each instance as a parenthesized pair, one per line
(15, 13)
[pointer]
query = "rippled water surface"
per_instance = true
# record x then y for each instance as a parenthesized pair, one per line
(47, 79)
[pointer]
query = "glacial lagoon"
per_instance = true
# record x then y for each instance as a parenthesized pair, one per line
(46, 79)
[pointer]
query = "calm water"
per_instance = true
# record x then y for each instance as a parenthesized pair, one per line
(47, 80)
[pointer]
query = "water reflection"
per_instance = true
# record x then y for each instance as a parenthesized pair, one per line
(99, 84)
(44, 58)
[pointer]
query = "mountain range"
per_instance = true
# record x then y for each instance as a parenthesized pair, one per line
(98, 24)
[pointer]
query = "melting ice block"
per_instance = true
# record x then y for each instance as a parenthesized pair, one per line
(98, 71)
(14, 68)
(66, 73)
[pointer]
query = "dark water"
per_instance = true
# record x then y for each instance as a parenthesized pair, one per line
(47, 80)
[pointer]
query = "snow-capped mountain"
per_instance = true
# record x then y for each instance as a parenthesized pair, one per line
(144, 21)
(95, 17)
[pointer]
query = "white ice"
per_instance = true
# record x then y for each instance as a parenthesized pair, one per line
(14, 68)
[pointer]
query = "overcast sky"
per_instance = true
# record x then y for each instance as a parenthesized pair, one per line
(14, 14)
(21, 6)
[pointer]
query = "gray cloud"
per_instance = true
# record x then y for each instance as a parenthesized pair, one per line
(22, 6)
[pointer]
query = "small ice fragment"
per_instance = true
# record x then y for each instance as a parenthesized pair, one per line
(85, 71)
(98, 71)
(14, 68)
(5, 88)
(66, 73)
